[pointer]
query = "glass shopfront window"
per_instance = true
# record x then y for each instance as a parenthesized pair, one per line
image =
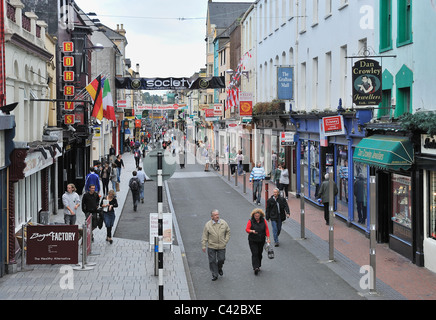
(305, 168)
(402, 207)
(432, 230)
(360, 193)
(314, 169)
(342, 179)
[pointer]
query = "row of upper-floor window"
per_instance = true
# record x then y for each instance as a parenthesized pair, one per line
(404, 24)
(272, 14)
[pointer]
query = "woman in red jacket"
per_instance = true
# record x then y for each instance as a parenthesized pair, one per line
(258, 233)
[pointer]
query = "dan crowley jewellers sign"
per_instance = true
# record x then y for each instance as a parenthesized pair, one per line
(367, 83)
(170, 83)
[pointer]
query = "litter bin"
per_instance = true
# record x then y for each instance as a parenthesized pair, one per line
(43, 217)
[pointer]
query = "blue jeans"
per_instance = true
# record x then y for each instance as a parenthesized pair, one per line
(141, 190)
(257, 190)
(277, 228)
(118, 174)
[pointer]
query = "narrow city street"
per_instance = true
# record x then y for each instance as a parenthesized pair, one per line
(293, 274)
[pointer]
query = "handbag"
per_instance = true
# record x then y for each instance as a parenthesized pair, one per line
(117, 186)
(269, 250)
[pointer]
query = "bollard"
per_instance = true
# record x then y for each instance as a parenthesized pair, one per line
(222, 171)
(228, 172)
(236, 178)
(84, 266)
(331, 215)
(244, 182)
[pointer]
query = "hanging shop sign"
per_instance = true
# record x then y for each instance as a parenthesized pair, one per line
(246, 104)
(52, 244)
(333, 126)
(170, 83)
(367, 83)
(287, 138)
(285, 83)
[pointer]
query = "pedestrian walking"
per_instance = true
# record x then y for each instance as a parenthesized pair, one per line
(137, 155)
(324, 194)
(277, 209)
(134, 186)
(277, 174)
(257, 176)
(90, 203)
(105, 176)
(239, 160)
(182, 157)
(92, 179)
(113, 177)
(284, 181)
(119, 163)
(141, 177)
(112, 154)
(216, 235)
(258, 233)
(109, 203)
(71, 202)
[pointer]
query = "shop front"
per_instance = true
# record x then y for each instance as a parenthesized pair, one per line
(391, 159)
(317, 152)
(272, 149)
(426, 196)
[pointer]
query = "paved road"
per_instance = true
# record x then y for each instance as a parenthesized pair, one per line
(294, 274)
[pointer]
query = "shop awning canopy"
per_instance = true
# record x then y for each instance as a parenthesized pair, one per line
(388, 152)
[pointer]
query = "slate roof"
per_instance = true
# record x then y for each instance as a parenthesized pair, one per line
(223, 14)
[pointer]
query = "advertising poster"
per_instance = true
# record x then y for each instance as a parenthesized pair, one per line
(52, 244)
(167, 227)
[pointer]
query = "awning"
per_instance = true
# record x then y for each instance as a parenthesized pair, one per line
(388, 152)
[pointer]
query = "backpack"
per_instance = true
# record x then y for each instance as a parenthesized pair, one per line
(134, 184)
(137, 154)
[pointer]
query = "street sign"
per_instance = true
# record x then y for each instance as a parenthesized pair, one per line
(169, 163)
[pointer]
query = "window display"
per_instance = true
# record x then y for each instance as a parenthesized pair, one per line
(360, 188)
(401, 207)
(314, 169)
(342, 179)
(432, 226)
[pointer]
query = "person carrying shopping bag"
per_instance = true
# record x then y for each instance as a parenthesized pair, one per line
(258, 233)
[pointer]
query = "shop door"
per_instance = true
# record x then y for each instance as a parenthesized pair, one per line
(384, 200)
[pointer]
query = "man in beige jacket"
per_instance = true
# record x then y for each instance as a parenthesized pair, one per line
(216, 234)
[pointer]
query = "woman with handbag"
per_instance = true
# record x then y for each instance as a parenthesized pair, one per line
(258, 233)
(109, 203)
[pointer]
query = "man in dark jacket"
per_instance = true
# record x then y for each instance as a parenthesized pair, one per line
(134, 185)
(90, 203)
(277, 210)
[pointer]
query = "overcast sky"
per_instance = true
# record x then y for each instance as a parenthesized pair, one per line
(158, 39)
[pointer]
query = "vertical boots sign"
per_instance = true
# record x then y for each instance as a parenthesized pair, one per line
(367, 83)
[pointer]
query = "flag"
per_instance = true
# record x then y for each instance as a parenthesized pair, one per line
(108, 103)
(96, 93)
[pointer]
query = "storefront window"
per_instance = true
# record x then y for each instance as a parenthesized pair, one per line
(360, 193)
(305, 168)
(314, 169)
(432, 230)
(401, 206)
(342, 179)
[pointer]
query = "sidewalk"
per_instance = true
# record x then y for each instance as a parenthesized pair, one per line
(124, 270)
(393, 271)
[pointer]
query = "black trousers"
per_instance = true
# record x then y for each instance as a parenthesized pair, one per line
(256, 253)
(326, 212)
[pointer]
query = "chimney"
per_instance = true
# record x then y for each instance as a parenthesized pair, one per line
(121, 30)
